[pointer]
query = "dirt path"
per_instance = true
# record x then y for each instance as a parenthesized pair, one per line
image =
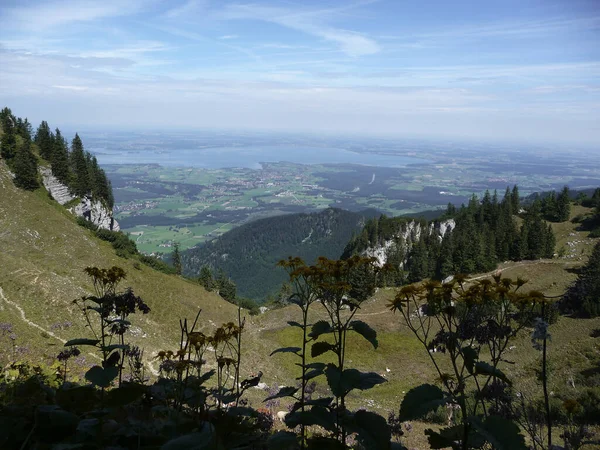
(26, 320)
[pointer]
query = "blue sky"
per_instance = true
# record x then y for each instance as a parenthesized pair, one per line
(510, 69)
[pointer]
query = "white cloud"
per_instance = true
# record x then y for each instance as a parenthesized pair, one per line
(186, 9)
(312, 22)
(228, 36)
(59, 13)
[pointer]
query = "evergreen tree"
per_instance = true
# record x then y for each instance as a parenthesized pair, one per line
(8, 146)
(515, 200)
(550, 243)
(445, 264)
(24, 129)
(176, 258)
(583, 297)
(45, 141)
(227, 288)
(81, 177)
(206, 279)
(25, 167)
(60, 159)
(563, 205)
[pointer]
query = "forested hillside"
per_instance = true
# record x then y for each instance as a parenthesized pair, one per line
(249, 254)
(71, 165)
(485, 232)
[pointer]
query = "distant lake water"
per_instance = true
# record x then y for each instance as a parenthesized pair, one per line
(250, 157)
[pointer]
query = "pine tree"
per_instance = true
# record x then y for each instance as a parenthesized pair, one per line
(81, 177)
(8, 146)
(206, 279)
(563, 205)
(515, 200)
(25, 167)
(60, 159)
(176, 258)
(45, 141)
(227, 288)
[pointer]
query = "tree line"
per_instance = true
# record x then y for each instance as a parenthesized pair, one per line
(487, 231)
(71, 164)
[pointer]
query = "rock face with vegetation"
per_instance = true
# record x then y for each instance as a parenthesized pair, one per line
(89, 208)
(407, 235)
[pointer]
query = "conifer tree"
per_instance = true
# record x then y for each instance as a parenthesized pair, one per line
(206, 279)
(60, 159)
(515, 200)
(81, 177)
(45, 141)
(177, 258)
(25, 167)
(8, 146)
(563, 205)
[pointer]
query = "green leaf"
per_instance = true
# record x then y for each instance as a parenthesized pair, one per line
(119, 320)
(126, 394)
(315, 365)
(317, 415)
(101, 377)
(110, 348)
(319, 328)
(365, 331)
(318, 348)
(82, 341)
(420, 400)
(373, 430)
(309, 375)
(293, 350)
(286, 391)
(446, 438)
(340, 384)
(282, 440)
(324, 402)
(483, 368)
(501, 433)
(470, 356)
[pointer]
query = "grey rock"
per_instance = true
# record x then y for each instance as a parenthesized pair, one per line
(92, 210)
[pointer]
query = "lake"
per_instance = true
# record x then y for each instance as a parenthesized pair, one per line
(249, 157)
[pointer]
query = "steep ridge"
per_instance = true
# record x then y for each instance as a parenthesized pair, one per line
(43, 254)
(88, 207)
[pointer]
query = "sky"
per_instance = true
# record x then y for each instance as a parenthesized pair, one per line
(510, 69)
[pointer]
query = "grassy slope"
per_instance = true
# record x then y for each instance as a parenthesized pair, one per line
(43, 253)
(42, 257)
(571, 350)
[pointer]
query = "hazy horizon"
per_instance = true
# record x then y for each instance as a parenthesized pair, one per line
(513, 71)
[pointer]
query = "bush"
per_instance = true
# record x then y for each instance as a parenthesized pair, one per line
(157, 264)
(83, 222)
(249, 304)
(125, 247)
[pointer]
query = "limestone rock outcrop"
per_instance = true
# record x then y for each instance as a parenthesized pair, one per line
(92, 210)
(409, 234)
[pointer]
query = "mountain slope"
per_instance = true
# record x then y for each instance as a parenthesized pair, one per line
(42, 259)
(249, 253)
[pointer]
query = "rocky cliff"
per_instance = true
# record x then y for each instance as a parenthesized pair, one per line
(88, 208)
(406, 236)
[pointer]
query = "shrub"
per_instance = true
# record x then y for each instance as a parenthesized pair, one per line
(157, 264)
(83, 222)
(119, 241)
